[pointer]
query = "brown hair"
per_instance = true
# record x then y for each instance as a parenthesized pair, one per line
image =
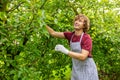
(86, 21)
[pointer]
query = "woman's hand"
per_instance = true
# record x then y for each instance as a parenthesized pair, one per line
(61, 48)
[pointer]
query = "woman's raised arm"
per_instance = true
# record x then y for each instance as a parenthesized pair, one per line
(54, 33)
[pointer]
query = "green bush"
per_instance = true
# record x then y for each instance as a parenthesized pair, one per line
(27, 50)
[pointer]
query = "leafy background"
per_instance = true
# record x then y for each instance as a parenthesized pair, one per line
(27, 50)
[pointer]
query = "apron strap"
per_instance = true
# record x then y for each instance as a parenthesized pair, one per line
(80, 37)
(72, 37)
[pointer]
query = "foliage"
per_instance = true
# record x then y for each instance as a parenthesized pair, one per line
(27, 50)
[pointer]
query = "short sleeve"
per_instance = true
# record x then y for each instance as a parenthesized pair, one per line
(87, 43)
(68, 35)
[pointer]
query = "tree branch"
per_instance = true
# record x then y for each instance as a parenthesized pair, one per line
(15, 7)
(41, 7)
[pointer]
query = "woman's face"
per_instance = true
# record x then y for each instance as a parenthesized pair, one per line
(79, 23)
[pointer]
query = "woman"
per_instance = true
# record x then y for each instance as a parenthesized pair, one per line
(83, 65)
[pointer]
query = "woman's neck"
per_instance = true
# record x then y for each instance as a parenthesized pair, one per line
(78, 32)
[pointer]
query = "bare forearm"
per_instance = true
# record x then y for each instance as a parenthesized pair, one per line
(80, 56)
(54, 33)
(76, 55)
(50, 30)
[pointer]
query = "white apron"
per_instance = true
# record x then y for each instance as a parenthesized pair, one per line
(82, 70)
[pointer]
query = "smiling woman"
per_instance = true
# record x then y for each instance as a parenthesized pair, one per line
(27, 50)
(82, 20)
(83, 65)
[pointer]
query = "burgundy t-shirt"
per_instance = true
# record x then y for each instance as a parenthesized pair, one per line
(86, 42)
